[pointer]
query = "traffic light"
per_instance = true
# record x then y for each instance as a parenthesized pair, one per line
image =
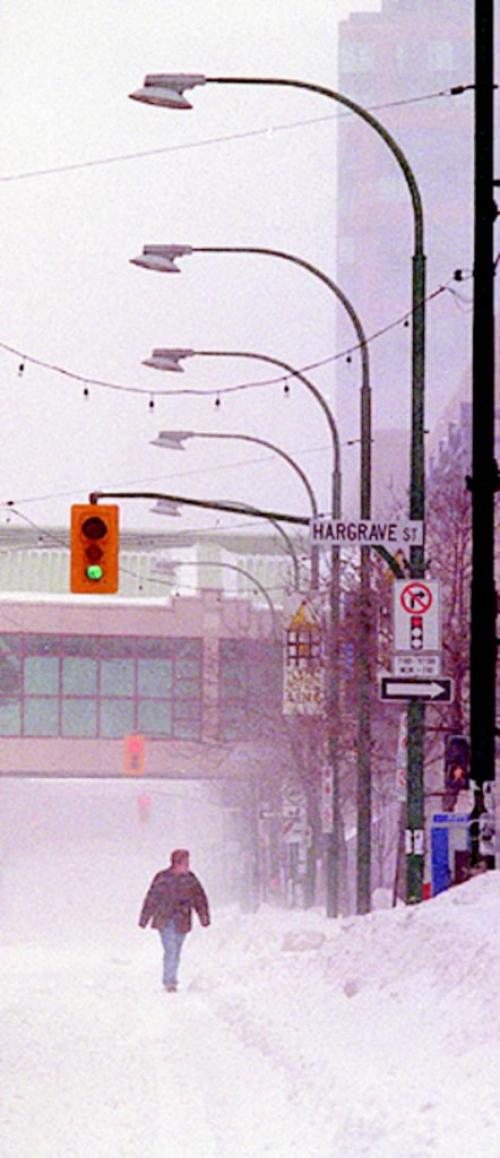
(94, 549)
(133, 755)
(456, 765)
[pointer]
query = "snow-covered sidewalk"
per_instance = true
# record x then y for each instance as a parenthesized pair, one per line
(292, 1037)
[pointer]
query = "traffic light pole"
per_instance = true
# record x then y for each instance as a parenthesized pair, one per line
(206, 504)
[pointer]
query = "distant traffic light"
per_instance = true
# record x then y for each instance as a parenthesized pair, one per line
(133, 755)
(94, 549)
(456, 764)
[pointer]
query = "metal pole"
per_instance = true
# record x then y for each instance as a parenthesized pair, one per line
(484, 468)
(313, 389)
(416, 710)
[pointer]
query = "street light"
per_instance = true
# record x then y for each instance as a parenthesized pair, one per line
(175, 439)
(174, 86)
(162, 258)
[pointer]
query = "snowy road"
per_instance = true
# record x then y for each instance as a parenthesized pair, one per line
(95, 1065)
(292, 1036)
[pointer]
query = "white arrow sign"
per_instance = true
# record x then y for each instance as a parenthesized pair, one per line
(366, 532)
(396, 688)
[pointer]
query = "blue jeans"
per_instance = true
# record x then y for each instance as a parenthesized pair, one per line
(172, 944)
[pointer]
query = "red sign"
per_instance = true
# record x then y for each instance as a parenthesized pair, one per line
(416, 598)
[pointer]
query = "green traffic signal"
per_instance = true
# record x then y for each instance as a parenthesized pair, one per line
(94, 572)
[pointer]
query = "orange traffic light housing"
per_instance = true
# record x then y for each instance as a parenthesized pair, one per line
(94, 549)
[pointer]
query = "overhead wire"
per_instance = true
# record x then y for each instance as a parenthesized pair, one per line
(152, 579)
(217, 391)
(244, 135)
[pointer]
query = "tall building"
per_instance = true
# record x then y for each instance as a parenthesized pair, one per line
(408, 50)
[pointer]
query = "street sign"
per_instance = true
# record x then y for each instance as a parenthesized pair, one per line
(329, 532)
(416, 616)
(451, 818)
(435, 690)
(294, 812)
(304, 676)
(406, 664)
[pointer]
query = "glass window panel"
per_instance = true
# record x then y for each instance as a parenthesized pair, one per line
(187, 667)
(117, 677)
(357, 56)
(41, 717)
(188, 647)
(41, 674)
(154, 718)
(42, 644)
(79, 718)
(117, 717)
(79, 676)
(187, 730)
(234, 717)
(189, 688)
(155, 647)
(187, 709)
(155, 677)
(9, 665)
(10, 718)
(79, 645)
(111, 646)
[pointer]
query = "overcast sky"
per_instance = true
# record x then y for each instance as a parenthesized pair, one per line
(70, 296)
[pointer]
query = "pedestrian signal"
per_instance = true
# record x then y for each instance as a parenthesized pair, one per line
(133, 755)
(94, 549)
(456, 764)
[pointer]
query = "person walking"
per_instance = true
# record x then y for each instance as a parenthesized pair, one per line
(168, 904)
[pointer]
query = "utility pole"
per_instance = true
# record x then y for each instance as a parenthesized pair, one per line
(484, 481)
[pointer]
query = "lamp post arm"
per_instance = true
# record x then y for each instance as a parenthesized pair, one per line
(275, 449)
(296, 374)
(366, 432)
(241, 571)
(361, 112)
(290, 548)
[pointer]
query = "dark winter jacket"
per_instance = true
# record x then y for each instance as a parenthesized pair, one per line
(173, 896)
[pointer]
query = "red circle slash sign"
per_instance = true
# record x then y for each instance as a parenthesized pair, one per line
(416, 598)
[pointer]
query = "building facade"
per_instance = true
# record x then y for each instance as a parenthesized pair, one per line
(394, 62)
(200, 678)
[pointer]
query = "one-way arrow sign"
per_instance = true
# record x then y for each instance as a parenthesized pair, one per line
(437, 690)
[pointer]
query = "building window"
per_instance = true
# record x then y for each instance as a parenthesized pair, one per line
(250, 688)
(346, 249)
(356, 56)
(86, 686)
(440, 56)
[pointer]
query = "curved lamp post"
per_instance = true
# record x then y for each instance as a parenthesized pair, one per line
(175, 439)
(171, 359)
(167, 90)
(162, 258)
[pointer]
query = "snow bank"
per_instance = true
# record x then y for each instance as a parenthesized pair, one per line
(293, 1036)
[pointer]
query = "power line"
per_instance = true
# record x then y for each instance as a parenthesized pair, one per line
(164, 477)
(152, 579)
(403, 319)
(244, 135)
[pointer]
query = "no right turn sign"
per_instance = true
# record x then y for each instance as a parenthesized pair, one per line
(416, 616)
